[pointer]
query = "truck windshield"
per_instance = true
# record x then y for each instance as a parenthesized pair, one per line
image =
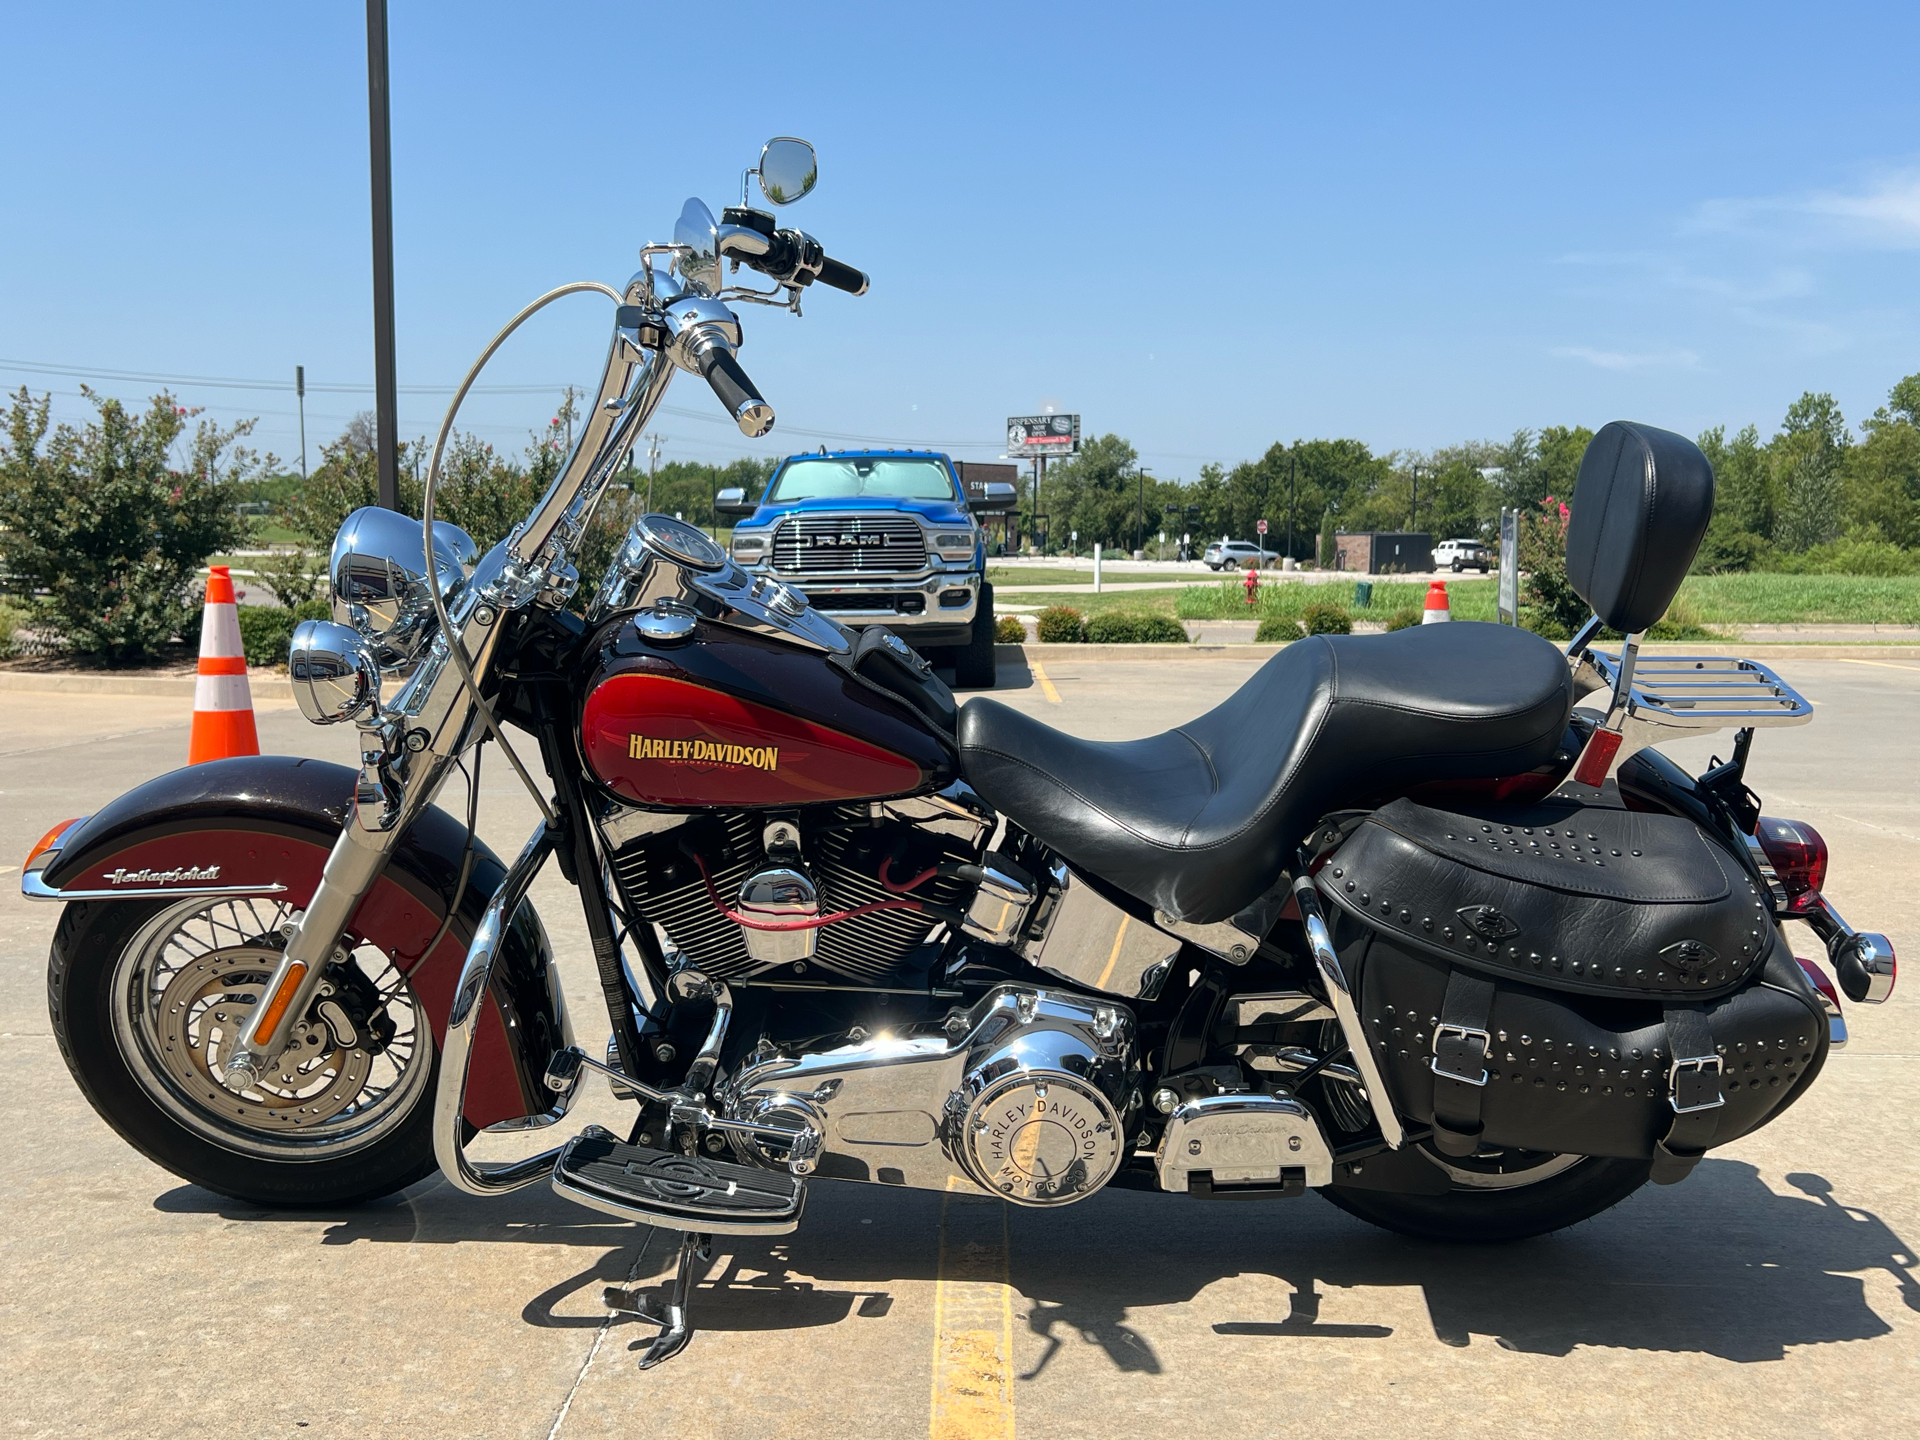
(830, 477)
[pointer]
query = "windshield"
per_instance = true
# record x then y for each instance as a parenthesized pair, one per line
(839, 478)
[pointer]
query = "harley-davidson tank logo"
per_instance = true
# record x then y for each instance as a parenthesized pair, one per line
(703, 752)
(179, 875)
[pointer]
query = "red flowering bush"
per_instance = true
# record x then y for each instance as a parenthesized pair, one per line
(1548, 604)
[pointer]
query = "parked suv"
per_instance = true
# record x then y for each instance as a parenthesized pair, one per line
(1458, 555)
(879, 537)
(1232, 554)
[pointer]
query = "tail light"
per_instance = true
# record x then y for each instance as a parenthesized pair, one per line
(1798, 856)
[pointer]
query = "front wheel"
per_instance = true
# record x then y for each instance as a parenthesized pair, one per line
(1500, 1195)
(146, 999)
(973, 662)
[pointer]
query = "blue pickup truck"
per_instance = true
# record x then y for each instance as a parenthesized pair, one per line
(879, 537)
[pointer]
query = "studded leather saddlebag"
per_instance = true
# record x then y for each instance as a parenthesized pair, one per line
(1583, 981)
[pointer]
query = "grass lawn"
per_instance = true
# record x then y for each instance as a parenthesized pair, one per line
(1752, 599)
(1024, 577)
(1760, 599)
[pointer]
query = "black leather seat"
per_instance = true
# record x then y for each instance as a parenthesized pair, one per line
(1201, 820)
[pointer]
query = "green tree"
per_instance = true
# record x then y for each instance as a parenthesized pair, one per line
(105, 531)
(1809, 463)
(1743, 501)
(1883, 480)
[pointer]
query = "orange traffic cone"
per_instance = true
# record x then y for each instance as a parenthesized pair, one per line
(222, 704)
(1437, 606)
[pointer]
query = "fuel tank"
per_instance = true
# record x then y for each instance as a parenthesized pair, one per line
(730, 719)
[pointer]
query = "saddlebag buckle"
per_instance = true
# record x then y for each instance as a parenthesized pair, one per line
(1694, 1082)
(1453, 1056)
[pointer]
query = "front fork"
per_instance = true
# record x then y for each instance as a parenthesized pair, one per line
(313, 940)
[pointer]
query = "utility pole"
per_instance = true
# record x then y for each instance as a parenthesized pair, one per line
(1290, 499)
(1039, 477)
(380, 154)
(653, 464)
(300, 391)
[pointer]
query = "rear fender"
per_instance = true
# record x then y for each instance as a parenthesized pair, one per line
(263, 825)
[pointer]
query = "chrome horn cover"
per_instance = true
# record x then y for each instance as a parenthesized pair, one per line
(379, 579)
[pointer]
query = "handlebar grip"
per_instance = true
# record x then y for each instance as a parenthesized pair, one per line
(737, 392)
(843, 277)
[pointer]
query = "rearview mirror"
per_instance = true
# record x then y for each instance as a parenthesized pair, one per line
(733, 501)
(788, 170)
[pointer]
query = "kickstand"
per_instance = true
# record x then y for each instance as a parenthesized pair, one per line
(671, 1317)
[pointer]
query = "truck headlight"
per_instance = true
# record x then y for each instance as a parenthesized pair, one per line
(953, 545)
(748, 548)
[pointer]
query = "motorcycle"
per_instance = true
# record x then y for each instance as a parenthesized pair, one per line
(1422, 921)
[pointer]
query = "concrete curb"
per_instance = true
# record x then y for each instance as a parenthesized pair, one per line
(262, 684)
(1812, 650)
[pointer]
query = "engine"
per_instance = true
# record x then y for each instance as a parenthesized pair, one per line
(742, 894)
(1026, 1095)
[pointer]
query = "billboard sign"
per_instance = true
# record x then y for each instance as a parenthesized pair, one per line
(1029, 435)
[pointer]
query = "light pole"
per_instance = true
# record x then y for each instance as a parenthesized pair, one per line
(300, 393)
(380, 149)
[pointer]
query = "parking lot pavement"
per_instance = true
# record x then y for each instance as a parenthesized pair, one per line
(1775, 1293)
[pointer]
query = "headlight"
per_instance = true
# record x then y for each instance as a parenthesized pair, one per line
(379, 576)
(748, 548)
(954, 545)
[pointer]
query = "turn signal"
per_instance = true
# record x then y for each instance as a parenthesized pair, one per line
(1799, 858)
(48, 841)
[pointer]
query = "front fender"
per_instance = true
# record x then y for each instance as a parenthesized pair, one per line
(264, 825)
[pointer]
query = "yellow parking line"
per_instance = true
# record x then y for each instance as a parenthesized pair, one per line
(972, 1323)
(1883, 664)
(1046, 685)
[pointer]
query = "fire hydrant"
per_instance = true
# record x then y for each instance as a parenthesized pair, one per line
(1252, 582)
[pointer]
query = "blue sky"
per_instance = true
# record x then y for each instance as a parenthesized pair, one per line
(1204, 227)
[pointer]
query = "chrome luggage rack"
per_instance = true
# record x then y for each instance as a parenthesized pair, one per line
(1652, 698)
(1701, 692)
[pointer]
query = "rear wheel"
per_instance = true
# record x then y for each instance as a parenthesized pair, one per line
(973, 662)
(1500, 1195)
(146, 1000)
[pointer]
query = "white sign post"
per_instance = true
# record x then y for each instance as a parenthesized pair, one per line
(1509, 602)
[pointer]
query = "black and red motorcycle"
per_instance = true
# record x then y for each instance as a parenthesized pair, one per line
(1418, 920)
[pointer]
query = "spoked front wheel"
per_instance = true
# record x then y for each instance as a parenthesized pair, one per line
(1499, 1195)
(146, 1001)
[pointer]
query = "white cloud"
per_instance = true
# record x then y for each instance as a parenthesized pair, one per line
(1883, 214)
(1624, 360)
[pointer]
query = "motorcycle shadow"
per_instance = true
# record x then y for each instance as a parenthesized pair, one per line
(1720, 1265)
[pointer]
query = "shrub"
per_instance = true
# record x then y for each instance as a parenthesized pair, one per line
(1405, 618)
(12, 617)
(1122, 627)
(1008, 630)
(1061, 625)
(1324, 619)
(97, 521)
(291, 576)
(1278, 630)
(1548, 604)
(265, 631)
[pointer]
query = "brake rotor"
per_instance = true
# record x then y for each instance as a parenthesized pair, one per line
(323, 1069)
